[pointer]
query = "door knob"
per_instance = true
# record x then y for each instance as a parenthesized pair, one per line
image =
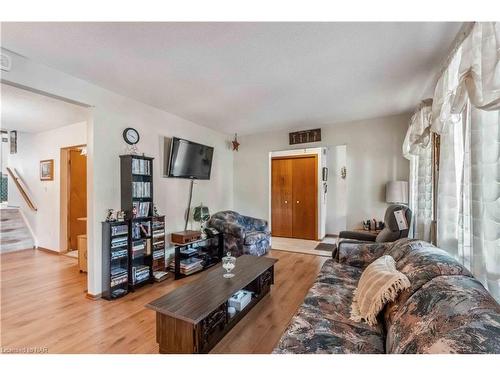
(298, 202)
(286, 202)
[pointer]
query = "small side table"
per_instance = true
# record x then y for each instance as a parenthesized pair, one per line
(82, 252)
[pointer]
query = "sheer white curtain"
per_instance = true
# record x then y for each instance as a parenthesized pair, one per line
(450, 211)
(465, 113)
(485, 197)
(417, 148)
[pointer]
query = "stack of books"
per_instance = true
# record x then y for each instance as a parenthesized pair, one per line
(188, 251)
(189, 266)
(160, 275)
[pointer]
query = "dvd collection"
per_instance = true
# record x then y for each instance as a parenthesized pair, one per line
(140, 230)
(119, 254)
(141, 208)
(118, 276)
(141, 166)
(158, 254)
(141, 189)
(119, 230)
(140, 273)
(119, 242)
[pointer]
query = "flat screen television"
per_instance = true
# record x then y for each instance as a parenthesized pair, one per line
(189, 160)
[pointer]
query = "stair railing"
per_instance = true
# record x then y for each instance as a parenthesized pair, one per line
(20, 186)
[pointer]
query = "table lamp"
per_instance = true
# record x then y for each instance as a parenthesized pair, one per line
(396, 192)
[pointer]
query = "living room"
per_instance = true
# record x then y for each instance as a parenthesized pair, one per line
(320, 187)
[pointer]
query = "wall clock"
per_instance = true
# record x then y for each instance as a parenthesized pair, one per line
(131, 136)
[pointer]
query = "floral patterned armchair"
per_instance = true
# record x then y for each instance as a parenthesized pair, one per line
(242, 234)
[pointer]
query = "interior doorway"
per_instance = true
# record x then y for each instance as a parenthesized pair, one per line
(294, 197)
(74, 203)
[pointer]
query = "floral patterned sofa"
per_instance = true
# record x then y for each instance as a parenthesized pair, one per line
(242, 234)
(446, 310)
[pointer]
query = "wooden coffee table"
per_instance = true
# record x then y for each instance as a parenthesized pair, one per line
(193, 318)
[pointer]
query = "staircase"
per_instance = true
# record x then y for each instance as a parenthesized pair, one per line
(15, 235)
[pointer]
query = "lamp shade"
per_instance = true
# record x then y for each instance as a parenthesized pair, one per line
(396, 192)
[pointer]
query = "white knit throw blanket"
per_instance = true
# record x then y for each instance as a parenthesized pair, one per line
(379, 284)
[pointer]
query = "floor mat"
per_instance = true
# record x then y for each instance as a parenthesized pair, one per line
(298, 246)
(324, 246)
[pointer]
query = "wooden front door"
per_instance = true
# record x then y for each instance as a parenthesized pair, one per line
(281, 197)
(294, 197)
(305, 197)
(77, 196)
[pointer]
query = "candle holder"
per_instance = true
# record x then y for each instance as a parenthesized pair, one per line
(228, 263)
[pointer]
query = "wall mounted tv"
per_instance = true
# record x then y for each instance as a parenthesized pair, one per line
(189, 160)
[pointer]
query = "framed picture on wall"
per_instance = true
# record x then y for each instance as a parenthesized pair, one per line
(47, 170)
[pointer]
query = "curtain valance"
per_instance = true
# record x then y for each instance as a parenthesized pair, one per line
(418, 134)
(473, 73)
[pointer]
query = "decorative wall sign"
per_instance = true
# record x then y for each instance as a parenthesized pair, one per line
(305, 136)
(47, 170)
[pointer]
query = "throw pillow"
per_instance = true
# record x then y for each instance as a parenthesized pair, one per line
(379, 284)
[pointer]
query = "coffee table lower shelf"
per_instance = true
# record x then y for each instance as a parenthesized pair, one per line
(177, 335)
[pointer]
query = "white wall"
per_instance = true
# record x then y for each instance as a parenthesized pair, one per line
(374, 157)
(111, 113)
(170, 194)
(31, 149)
(337, 190)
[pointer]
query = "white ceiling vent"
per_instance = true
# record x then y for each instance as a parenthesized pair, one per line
(6, 62)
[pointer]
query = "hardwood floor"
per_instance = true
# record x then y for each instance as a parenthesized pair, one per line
(43, 304)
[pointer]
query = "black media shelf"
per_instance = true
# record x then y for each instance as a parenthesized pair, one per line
(133, 249)
(136, 178)
(197, 256)
(114, 269)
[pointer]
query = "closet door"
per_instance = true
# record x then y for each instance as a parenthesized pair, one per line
(281, 197)
(305, 197)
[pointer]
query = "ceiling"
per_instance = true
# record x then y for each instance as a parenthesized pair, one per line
(29, 112)
(249, 77)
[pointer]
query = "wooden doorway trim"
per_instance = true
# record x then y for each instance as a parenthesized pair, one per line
(316, 217)
(65, 184)
(296, 157)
